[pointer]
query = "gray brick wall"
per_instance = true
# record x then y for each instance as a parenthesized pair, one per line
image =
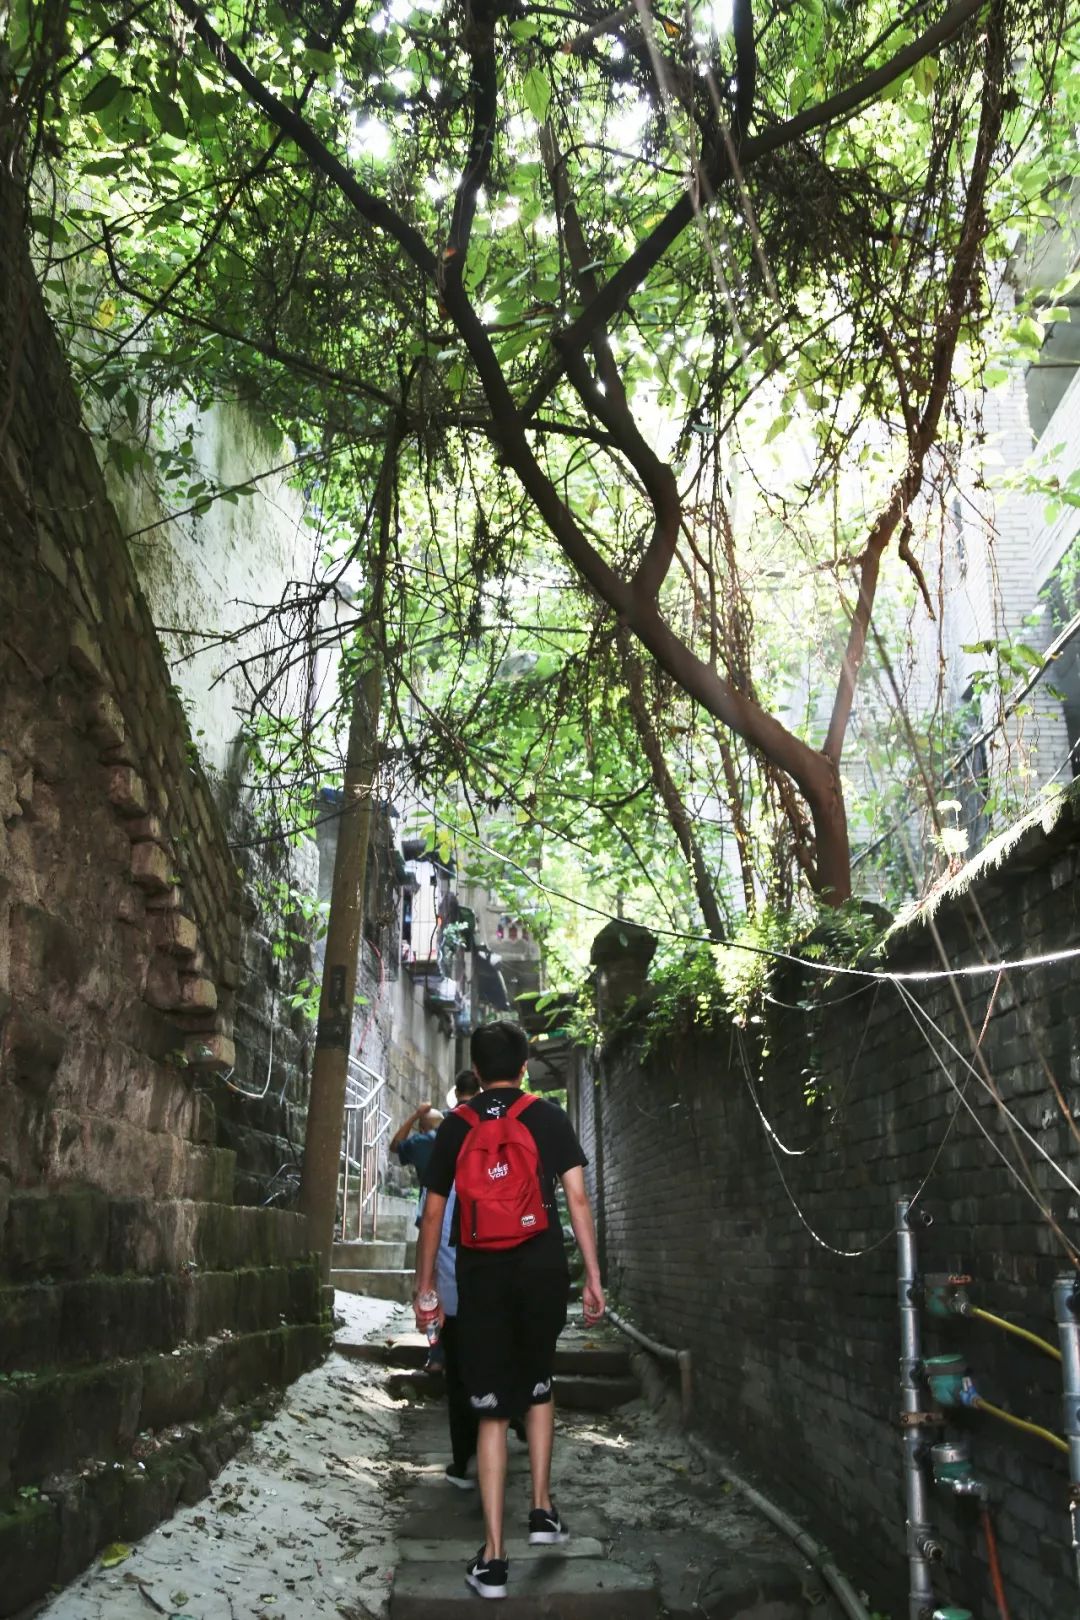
(796, 1347)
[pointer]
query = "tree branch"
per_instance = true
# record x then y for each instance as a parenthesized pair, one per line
(633, 271)
(370, 207)
(958, 299)
(608, 402)
(480, 39)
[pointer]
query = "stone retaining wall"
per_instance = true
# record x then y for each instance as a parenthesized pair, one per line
(141, 1314)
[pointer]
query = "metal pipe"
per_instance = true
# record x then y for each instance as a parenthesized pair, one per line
(921, 1546)
(663, 1352)
(1068, 1325)
(822, 1560)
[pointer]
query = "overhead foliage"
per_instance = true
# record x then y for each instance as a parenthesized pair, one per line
(672, 310)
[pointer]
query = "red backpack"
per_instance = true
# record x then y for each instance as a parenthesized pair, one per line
(499, 1181)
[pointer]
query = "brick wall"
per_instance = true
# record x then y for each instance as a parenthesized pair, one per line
(796, 1347)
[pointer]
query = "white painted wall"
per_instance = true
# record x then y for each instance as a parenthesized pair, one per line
(209, 576)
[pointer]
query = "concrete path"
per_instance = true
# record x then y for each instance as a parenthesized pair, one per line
(337, 1510)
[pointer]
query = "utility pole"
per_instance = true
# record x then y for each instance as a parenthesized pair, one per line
(344, 927)
(326, 1108)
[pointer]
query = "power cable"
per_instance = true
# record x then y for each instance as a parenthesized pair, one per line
(914, 1009)
(1002, 1105)
(969, 970)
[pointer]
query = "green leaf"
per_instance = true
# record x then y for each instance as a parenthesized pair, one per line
(102, 94)
(115, 1554)
(169, 114)
(537, 93)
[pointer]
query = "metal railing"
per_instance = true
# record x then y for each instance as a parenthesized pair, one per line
(363, 1149)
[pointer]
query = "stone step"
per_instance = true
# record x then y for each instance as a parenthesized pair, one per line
(395, 1285)
(436, 1512)
(444, 1549)
(410, 1350)
(575, 1393)
(551, 1588)
(108, 1406)
(76, 1231)
(93, 1319)
(381, 1256)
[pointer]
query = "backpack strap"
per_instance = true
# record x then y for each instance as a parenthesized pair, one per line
(469, 1115)
(516, 1109)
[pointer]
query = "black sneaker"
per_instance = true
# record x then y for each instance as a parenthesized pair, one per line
(488, 1576)
(459, 1477)
(546, 1529)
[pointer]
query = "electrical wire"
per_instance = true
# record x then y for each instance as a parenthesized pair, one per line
(1014, 1422)
(902, 976)
(257, 1096)
(914, 1009)
(1004, 1107)
(1012, 1327)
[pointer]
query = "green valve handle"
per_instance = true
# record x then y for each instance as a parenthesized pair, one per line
(953, 1614)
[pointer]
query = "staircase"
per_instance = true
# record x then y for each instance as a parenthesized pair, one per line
(382, 1268)
(594, 1374)
(442, 1528)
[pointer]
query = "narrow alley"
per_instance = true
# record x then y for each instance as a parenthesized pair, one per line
(337, 1507)
(539, 763)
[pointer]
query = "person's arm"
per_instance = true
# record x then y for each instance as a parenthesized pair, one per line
(427, 1247)
(581, 1219)
(403, 1130)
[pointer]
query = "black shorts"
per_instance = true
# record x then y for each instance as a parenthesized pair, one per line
(509, 1318)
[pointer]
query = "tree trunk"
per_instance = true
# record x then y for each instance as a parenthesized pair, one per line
(664, 783)
(344, 925)
(326, 1110)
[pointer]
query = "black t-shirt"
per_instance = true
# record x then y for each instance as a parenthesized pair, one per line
(558, 1148)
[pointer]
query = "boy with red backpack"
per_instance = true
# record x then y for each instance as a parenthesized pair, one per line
(504, 1150)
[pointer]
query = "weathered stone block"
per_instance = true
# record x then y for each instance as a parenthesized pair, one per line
(163, 985)
(52, 556)
(84, 653)
(146, 827)
(106, 721)
(121, 1316)
(29, 1547)
(171, 931)
(29, 1326)
(197, 993)
(34, 1046)
(127, 791)
(10, 808)
(168, 899)
(76, 1414)
(175, 1389)
(208, 1174)
(9, 1434)
(151, 868)
(213, 1052)
(44, 950)
(57, 1233)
